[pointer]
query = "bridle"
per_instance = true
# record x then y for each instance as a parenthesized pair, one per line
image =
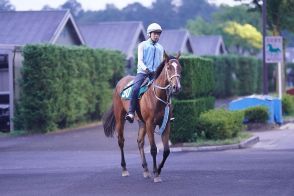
(167, 88)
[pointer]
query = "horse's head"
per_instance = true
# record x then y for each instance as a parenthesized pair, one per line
(173, 71)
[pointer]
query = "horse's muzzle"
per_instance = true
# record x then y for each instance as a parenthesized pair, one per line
(176, 89)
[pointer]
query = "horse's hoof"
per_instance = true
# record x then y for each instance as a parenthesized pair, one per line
(125, 173)
(146, 174)
(157, 179)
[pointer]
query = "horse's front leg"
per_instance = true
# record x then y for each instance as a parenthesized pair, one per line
(140, 140)
(166, 150)
(153, 149)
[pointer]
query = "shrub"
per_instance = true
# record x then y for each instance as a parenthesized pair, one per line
(288, 104)
(186, 113)
(257, 114)
(220, 124)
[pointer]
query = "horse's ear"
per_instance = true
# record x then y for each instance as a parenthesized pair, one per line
(178, 55)
(166, 57)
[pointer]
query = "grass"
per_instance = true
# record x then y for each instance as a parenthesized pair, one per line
(77, 126)
(203, 142)
(16, 133)
(3, 134)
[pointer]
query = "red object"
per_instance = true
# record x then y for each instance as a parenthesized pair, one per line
(290, 91)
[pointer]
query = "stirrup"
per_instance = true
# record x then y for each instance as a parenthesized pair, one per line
(130, 117)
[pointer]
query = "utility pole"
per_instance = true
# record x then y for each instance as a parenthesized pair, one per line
(264, 65)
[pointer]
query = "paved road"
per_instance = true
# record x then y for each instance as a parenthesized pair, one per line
(279, 139)
(85, 162)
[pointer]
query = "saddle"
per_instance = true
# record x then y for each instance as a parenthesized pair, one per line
(128, 89)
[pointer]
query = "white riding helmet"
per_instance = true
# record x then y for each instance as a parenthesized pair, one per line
(153, 27)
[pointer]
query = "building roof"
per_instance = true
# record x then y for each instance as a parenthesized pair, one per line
(31, 27)
(123, 35)
(208, 45)
(174, 41)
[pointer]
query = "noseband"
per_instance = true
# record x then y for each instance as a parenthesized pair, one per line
(170, 78)
(167, 88)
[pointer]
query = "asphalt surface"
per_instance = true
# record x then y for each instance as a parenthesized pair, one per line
(85, 162)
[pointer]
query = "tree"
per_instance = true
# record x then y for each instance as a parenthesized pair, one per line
(163, 12)
(110, 13)
(199, 26)
(48, 7)
(245, 37)
(235, 24)
(135, 11)
(5, 5)
(74, 6)
(280, 17)
(239, 14)
(190, 9)
(280, 14)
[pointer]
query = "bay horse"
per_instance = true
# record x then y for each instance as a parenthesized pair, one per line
(149, 113)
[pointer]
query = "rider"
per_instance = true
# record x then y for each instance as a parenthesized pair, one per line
(150, 55)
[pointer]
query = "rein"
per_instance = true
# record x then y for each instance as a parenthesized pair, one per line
(168, 91)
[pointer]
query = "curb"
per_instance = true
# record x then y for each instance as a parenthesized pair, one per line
(244, 144)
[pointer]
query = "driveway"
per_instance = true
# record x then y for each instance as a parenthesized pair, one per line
(85, 162)
(281, 138)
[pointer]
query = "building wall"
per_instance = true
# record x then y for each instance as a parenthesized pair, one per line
(7, 86)
(17, 59)
(68, 36)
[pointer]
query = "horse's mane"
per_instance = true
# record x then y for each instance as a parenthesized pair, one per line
(161, 66)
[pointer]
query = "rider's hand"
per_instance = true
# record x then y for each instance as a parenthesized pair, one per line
(147, 71)
(152, 74)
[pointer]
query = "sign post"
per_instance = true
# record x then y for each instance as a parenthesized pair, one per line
(274, 54)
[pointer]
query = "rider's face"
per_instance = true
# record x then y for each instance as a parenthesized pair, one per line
(155, 36)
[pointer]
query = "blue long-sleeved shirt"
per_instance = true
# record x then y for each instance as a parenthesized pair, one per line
(150, 56)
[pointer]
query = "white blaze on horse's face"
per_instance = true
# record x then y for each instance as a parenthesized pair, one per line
(175, 75)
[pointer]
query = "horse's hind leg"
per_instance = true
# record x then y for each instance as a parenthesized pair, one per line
(140, 140)
(121, 140)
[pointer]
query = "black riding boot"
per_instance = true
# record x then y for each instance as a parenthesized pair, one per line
(139, 79)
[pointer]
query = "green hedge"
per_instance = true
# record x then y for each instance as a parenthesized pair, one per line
(197, 83)
(236, 75)
(220, 124)
(61, 86)
(197, 77)
(186, 113)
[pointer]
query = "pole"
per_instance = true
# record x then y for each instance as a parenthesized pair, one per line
(264, 65)
(280, 80)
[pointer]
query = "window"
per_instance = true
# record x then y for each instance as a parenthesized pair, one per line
(3, 61)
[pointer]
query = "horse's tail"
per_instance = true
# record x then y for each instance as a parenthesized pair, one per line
(108, 120)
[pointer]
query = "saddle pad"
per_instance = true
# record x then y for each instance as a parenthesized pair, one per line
(127, 91)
